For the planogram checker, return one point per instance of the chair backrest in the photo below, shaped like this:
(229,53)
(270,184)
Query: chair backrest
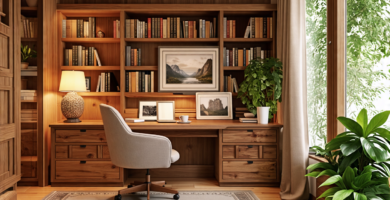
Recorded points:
(118,135)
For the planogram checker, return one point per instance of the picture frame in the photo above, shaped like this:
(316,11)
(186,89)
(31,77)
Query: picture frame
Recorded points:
(165,110)
(188,69)
(214,105)
(88,83)
(147,110)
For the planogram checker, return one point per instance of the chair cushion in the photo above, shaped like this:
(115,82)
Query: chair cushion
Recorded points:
(174,156)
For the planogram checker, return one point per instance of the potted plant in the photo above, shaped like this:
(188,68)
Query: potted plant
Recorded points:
(358,160)
(262,88)
(26,53)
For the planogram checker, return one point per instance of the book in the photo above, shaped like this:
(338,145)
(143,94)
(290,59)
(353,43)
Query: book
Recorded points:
(98,84)
(97,58)
(134,120)
(248,120)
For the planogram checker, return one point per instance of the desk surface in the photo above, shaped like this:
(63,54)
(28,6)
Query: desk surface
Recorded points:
(153,125)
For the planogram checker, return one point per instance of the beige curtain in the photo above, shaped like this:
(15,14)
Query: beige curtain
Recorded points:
(291,50)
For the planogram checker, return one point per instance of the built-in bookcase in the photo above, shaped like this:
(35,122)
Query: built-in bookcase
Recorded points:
(112,50)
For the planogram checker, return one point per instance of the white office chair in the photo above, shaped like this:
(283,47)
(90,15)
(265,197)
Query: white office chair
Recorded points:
(137,151)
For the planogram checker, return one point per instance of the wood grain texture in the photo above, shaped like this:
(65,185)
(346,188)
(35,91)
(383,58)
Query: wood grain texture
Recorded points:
(77,136)
(62,151)
(228,151)
(248,151)
(258,135)
(84,151)
(86,172)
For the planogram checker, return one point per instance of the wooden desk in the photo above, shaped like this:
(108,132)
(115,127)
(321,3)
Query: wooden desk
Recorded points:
(237,154)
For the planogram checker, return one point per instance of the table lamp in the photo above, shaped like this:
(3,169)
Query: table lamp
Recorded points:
(72,105)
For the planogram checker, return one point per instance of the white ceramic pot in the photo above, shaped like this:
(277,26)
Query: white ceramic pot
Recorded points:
(262,115)
(32,3)
(24,65)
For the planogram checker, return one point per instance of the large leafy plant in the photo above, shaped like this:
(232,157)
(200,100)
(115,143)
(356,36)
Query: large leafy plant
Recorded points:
(262,85)
(358,160)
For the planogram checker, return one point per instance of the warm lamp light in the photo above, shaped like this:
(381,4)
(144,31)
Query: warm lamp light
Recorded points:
(72,105)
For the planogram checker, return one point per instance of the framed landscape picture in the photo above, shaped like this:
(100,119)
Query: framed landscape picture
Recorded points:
(188,69)
(214,105)
(148,110)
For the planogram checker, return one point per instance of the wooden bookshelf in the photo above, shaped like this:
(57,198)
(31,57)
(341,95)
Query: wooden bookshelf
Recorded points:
(229,68)
(140,68)
(99,94)
(32,154)
(171,40)
(87,68)
(91,40)
(248,40)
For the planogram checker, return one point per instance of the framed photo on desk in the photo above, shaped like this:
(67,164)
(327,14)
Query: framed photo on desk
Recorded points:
(147,110)
(214,105)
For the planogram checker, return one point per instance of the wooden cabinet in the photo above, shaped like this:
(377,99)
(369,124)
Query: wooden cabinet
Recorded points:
(249,157)
(81,158)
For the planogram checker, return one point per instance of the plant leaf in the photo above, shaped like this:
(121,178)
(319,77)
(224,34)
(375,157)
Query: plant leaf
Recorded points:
(327,172)
(332,180)
(339,140)
(362,180)
(376,152)
(383,133)
(342,194)
(348,177)
(347,161)
(359,196)
(377,121)
(349,147)
(320,166)
(329,192)
(313,174)
(351,125)
(362,119)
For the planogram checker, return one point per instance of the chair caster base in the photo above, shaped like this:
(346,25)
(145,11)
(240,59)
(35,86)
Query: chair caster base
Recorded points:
(176,196)
(118,197)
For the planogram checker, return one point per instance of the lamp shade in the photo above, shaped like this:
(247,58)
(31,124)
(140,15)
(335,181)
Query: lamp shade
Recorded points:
(72,81)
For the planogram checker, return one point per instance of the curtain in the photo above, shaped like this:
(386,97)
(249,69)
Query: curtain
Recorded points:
(291,50)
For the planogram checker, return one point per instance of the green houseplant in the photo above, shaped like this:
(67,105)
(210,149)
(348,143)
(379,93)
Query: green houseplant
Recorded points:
(26,53)
(358,160)
(262,87)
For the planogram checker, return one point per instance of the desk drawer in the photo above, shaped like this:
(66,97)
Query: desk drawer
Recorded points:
(249,151)
(84,151)
(106,153)
(86,170)
(252,170)
(78,136)
(256,135)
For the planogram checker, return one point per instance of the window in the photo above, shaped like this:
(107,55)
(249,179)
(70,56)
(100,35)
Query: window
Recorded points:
(316,63)
(368,57)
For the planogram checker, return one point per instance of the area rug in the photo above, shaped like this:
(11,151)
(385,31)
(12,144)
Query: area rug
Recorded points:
(184,195)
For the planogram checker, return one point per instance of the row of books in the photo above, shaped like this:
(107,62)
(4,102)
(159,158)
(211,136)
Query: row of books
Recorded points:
(28,115)
(81,56)
(259,27)
(133,56)
(171,27)
(107,83)
(139,81)
(79,28)
(241,57)
(28,27)
(28,95)
(230,84)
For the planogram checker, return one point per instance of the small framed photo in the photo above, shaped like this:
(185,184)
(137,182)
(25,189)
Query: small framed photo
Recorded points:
(214,105)
(88,83)
(165,110)
(147,110)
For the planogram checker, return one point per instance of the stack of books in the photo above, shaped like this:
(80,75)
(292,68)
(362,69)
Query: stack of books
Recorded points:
(229,30)
(248,120)
(107,83)
(139,81)
(30,95)
(29,27)
(31,71)
(81,56)
(258,27)
(133,56)
(239,112)
(29,115)
(241,57)
(230,84)
(171,27)
(78,28)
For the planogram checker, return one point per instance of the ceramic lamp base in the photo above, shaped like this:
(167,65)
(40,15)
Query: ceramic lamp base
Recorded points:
(72,107)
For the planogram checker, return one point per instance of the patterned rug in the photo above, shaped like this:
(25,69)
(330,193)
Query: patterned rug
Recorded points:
(184,195)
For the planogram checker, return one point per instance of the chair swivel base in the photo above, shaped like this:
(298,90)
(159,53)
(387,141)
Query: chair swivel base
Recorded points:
(158,186)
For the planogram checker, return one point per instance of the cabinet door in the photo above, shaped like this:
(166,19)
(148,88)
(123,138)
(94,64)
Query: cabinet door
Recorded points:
(9,94)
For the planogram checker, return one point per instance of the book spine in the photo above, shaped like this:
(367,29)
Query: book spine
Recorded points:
(204,30)
(234,28)
(244,57)
(143,81)
(178,27)
(230,57)
(171,27)
(63,28)
(236,57)
(264,27)
(81,28)
(149,28)
(227,57)
(127,28)
(114,27)
(253,27)
(168,27)
(66,60)
(139,56)
(224,27)
(175,27)
(186,29)
(161,28)
(214,27)
(268,29)
(228,29)
(145,30)
(152,81)
(127,82)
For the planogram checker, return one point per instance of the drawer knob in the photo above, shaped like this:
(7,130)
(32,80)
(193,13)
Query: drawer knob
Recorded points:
(83,162)
(250,162)
(249,130)
(83,130)
(250,146)
(83,146)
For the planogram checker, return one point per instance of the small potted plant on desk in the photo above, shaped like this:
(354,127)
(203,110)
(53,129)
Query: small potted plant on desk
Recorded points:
(358,165)
(262,88)
(26,53)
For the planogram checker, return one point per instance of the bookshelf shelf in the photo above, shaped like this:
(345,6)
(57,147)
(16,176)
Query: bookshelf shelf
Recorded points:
(29,122)
(248,40)
(29,39)
(141,68)
(231,68)
(28,101)
(156,95)
(91,40)
(171,39)
(29,8)
(85,68)
(99,94)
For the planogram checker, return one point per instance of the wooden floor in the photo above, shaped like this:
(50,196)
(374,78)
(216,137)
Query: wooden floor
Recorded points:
(263,193)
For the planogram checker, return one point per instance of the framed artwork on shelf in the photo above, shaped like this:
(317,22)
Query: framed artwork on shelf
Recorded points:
(214,105)
(188,69)
(166,111)
(88,83)
(147,110)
